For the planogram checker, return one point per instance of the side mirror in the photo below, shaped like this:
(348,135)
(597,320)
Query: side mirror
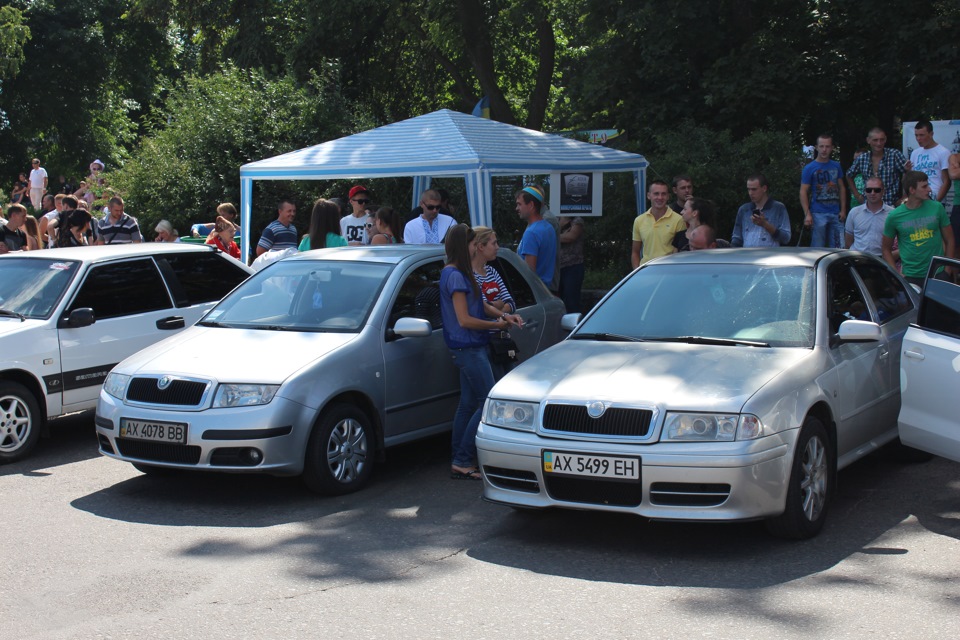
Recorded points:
(413,328)
(570,321)
(859,331)
(82,317)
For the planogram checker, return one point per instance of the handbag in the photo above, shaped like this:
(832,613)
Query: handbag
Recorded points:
(503,348)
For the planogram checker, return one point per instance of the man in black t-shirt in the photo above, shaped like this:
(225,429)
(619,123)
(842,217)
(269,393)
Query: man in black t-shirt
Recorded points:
(11,234)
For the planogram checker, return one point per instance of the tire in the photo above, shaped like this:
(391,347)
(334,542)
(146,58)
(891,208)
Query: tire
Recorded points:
(20,421)
(340,452)
(812,477)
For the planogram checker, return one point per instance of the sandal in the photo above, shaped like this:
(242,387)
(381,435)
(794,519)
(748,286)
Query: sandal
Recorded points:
(472,474)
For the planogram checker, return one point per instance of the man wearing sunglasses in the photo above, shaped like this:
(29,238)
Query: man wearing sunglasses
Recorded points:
(431,226)
(863,230)
(356,227)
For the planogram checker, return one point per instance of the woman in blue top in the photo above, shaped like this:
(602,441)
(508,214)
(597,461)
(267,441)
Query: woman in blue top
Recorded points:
(467,322)
(324,227)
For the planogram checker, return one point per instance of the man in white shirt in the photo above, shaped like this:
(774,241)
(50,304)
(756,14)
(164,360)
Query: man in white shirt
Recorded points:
(431,226)
(38,183)
(355,228)
(931,158)
(863,230)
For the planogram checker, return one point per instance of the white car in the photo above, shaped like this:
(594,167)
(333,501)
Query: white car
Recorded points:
(67,316)
(930,369)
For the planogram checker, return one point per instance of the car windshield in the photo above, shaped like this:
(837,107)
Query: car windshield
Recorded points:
(303,295)
(32,287)
(735,304)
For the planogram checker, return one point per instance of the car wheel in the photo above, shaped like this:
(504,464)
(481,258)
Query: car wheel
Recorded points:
(340,452)
(811,485)
(19,421)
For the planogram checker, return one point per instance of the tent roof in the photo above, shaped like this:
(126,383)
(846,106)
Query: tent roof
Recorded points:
(442,143)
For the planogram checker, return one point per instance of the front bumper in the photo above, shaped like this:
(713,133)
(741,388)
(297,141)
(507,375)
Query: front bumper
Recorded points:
(678,481)
(217,439)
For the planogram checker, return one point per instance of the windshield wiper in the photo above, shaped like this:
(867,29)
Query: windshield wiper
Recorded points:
(212,323)
(719,341)
(12,314)
(606,337)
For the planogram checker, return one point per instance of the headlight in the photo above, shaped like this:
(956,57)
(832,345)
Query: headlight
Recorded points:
(115,384)
(244,395)
(509,415)
(699,427)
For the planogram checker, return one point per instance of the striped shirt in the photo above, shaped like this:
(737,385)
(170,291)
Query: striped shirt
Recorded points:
(278,236)
(123,231)
(493,287)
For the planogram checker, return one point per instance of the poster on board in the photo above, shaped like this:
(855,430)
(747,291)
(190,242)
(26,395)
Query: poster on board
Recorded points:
(945,133)
(576,193)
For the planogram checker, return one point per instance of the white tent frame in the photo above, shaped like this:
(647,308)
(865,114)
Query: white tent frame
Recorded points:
(441,144)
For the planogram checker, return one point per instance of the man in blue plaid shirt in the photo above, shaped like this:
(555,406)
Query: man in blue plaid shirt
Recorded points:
(881,162)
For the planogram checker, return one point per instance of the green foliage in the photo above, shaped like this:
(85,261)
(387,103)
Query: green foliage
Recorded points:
(13,36)
(209,126)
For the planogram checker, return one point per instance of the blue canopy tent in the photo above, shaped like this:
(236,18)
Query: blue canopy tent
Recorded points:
(441,144)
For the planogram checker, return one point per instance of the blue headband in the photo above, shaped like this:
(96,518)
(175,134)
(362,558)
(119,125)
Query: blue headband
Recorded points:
(535,192)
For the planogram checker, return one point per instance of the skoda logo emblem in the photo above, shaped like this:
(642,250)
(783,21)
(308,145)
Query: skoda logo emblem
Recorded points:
(164,382)
(595,409)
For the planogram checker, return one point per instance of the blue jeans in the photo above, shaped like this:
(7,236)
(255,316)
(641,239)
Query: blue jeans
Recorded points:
(827,230)
(571,281)
(476,380)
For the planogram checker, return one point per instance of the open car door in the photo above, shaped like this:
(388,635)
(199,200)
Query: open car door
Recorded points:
(930,367)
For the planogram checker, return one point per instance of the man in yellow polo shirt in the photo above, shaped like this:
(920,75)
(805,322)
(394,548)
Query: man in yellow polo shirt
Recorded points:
(654,229)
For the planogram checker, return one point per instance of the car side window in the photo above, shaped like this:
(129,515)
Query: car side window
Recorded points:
(122,289)
(889,296)
(419,296)
(940,306)
(517,285)
(844,300)
(202,276)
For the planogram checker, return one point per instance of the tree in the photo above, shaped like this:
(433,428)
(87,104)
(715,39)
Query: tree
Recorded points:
(212,124)
(13,36)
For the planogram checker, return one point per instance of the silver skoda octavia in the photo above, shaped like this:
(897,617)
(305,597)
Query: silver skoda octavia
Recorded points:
(313,366)
(713,385)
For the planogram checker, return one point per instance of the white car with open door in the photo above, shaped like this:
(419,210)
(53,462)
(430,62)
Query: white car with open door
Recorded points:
(930,367)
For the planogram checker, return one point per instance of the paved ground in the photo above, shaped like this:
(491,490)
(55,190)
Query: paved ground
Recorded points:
(93,549)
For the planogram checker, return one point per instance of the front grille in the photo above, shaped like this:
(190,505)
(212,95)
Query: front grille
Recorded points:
(688,494)
(159,451)
(615,421)
(514,479)
(591,491)
(184,393)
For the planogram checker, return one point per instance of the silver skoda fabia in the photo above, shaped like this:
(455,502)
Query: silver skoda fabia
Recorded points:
(314,366)
(712,385)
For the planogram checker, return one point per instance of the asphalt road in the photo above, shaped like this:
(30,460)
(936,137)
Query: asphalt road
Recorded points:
(93,549)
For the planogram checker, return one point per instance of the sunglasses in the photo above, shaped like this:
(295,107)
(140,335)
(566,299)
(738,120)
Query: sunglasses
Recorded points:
(431,207)
(369,225)
(361,200)
(873,190)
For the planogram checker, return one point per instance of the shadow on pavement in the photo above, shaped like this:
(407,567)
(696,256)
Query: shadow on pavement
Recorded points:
(874,496)
(72,439)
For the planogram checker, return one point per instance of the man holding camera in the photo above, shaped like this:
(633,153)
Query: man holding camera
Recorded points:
(762,222)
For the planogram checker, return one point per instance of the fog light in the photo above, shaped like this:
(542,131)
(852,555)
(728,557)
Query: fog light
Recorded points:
(253,456)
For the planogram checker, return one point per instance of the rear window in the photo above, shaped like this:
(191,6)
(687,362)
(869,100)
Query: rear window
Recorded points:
(200,277)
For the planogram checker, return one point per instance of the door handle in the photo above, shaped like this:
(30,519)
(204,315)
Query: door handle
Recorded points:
(532,324)
(916,355)
(884,354)
(173,322)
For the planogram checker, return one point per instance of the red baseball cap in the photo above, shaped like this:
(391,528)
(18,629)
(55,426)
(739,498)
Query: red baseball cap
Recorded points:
(357,189)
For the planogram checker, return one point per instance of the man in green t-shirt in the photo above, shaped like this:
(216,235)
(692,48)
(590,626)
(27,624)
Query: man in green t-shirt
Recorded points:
(920,226)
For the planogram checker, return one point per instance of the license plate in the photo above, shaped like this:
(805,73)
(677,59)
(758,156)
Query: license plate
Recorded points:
(575,464)
(153,431)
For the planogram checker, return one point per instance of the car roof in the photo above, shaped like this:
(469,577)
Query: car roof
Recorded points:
(768,256)
(97,253)
(387,253)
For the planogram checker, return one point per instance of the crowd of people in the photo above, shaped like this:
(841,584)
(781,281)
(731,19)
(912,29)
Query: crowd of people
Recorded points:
(894,208)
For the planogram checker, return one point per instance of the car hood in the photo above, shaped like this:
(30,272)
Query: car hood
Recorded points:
(669,375)
(12,326)
(234,355)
